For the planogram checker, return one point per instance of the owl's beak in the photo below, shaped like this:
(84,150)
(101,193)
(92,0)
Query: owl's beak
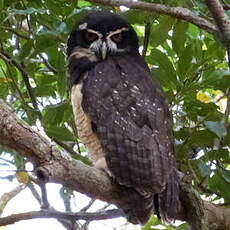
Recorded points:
(104,50)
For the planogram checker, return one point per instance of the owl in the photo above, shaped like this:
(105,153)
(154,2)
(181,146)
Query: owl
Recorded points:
(122,116)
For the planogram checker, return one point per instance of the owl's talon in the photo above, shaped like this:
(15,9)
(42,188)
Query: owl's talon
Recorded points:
(101,164)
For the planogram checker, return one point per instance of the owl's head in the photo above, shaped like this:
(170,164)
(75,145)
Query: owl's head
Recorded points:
(104,33)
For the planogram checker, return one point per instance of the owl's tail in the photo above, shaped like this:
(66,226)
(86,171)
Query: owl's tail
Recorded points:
(139,207)
(168,201)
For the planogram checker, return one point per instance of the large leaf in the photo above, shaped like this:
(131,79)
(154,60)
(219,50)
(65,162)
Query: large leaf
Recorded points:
(185,61)
(161,30)
(216,127)
(60,133)
(179,36)
(220,183)
(166,68)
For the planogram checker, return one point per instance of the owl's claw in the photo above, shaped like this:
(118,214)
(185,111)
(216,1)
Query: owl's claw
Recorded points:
(101,164)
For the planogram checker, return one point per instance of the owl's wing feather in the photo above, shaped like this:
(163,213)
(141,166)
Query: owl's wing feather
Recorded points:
(134,125)
(133,122)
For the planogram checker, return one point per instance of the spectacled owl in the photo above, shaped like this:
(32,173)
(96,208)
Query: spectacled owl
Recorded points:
(121,114)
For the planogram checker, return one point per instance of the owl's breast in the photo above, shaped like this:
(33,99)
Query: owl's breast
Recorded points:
(84,124)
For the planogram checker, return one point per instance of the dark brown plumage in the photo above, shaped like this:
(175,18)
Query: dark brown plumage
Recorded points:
(128,120)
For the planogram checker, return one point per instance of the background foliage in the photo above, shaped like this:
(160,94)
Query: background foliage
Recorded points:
(189,63)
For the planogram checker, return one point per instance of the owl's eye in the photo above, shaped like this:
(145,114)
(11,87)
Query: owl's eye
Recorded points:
(90,37)
(117,37)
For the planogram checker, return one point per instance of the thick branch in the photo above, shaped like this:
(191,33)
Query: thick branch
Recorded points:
(177,12)
(60,168)
(220,18)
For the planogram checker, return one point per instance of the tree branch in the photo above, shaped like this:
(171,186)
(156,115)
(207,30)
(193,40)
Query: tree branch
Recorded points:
(58,167)
(101,215)
(221,19)
(177,12)
(6,197)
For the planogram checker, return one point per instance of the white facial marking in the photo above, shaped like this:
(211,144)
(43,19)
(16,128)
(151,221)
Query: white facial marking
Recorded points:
(82,26)
(95,32)
(103,50)
(96,45)
(117,31)
(112,46)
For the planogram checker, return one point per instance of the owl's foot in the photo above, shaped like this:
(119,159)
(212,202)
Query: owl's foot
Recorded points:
(101,164)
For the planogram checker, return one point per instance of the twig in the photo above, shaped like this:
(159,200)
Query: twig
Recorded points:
(16,33)
(227,111)
(25,77)
(34,192)
(177,12)
(11,77)
(72,152)
(102,215)
(47,64)
(6,197)
(7,161)
(88,205)
(146,38)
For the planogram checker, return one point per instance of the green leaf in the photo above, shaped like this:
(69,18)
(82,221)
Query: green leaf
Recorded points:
(216,127)
(220,183)
(83,3)
(46,79)
(195,108)
(1,5)
(62,28)
(220,154)
(138,16)
(217,79)
(201,138)
(185,61)
(160,32)
(60,133)
(165,65)
(183,227)
(25,50)
(226,175)
(193,31)
(152,222)
(226,140)
(44,91)
(62,84)
(54,115)
(56,58)
(3,89)
(201,168)
(179,36)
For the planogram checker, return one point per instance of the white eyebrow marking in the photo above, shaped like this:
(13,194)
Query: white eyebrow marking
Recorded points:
(117,31)
(95,32)
(82,26)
